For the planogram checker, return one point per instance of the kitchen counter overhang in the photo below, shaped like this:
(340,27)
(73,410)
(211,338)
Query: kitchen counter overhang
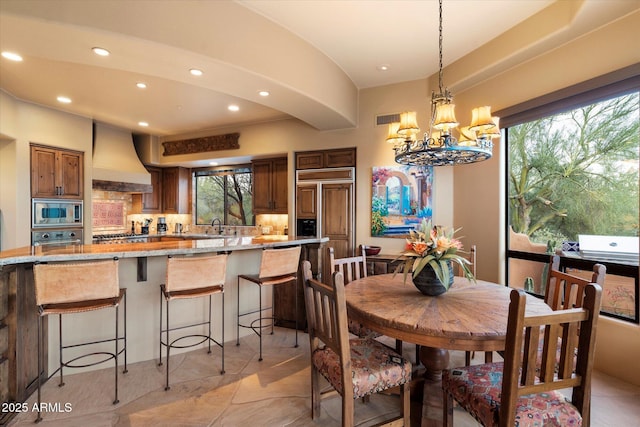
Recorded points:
(31,254)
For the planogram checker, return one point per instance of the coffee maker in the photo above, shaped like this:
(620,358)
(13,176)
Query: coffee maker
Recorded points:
(162,225)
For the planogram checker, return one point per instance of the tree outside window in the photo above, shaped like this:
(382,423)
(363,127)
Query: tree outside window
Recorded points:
(225,195)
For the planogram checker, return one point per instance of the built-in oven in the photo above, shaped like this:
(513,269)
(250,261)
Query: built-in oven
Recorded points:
(56,213)
(306,228)
(62,237)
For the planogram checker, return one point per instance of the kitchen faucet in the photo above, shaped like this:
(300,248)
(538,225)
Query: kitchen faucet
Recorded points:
(213,224)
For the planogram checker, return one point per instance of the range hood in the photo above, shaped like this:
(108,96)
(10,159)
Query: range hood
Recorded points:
(116,166)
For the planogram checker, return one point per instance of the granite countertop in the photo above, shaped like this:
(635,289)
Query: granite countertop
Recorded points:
(30,254)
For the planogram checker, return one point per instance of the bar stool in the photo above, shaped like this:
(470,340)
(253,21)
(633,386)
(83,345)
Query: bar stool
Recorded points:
(192,277)
(277,266)
(76,288)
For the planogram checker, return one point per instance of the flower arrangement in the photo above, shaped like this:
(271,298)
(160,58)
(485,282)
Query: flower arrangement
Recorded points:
(434,246)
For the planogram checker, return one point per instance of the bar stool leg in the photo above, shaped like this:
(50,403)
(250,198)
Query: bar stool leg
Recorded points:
(222,339)
(295,296)
(238,313)
(160,342)
(260,320)
(116,400)
(124,301)
(209,336)
(60,350)
(168,347)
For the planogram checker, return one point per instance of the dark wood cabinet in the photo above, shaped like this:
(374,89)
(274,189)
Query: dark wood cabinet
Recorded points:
(171,192)
(337,218)
(270,186)
(337,158)
(150,202)
(306,201)
(56,173)
(19,335)
(176,183)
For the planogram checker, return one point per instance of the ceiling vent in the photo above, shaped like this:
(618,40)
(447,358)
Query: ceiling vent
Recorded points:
(387,118)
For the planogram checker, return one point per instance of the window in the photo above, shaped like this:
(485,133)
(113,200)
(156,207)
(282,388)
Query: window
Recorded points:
(224,194)
(573,170)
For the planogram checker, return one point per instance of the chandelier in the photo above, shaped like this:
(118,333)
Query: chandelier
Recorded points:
(439,147)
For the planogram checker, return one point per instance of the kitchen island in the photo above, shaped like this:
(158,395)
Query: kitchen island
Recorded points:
(142,270)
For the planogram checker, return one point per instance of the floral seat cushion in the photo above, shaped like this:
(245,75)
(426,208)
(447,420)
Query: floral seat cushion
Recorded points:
(478,388)
(374,367)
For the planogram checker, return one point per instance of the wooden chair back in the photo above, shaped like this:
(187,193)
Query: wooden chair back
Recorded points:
(472,259)
(327,321)
(352,268)
(567,291)
(520,375)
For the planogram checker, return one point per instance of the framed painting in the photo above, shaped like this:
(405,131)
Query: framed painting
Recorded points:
(401,199)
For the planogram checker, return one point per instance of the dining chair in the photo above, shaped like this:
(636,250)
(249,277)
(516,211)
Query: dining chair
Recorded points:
(516,392)
(352,268)
(70,289)
(354,367)
(564,290)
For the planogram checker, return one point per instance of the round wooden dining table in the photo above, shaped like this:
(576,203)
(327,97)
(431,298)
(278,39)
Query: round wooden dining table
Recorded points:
(469,316)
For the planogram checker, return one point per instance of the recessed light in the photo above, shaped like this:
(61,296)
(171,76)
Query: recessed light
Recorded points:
(141,85)
(100,51)
(12,56)
(263,93)
(383,67)
(143,124)
(195,72)
(233,108)
(213,163)
(64,99)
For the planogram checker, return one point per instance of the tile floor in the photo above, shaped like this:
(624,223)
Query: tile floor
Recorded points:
(274,392)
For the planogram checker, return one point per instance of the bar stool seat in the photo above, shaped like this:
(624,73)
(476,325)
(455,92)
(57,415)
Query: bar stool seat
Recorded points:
(277,266)
(192,277)
(66,288)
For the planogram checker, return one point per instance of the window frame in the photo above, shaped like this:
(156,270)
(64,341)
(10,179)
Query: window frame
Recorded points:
(617,83)
(221,170)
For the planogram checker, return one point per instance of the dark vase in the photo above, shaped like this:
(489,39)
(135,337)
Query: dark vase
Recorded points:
(428,283)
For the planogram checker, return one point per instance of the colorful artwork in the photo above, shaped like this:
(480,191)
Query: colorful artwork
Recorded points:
(401,199)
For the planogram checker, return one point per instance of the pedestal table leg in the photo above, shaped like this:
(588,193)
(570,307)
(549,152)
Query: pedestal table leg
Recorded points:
(434,360)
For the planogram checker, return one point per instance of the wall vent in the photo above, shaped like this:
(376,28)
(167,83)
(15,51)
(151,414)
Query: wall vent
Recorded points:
(387,118)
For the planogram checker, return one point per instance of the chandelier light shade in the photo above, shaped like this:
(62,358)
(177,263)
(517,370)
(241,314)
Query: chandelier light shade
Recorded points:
(408,124)
(440,147)
(394,137)
(445,118)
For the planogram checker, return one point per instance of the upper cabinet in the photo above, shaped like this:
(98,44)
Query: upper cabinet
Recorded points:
(338,158)
(171,192)
(176,183)
(150,202)
(270,186)
(56,173)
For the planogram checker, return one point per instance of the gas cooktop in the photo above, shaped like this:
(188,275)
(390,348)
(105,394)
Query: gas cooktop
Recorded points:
(120,238)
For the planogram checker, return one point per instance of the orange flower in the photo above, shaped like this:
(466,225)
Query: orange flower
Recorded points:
(419,247)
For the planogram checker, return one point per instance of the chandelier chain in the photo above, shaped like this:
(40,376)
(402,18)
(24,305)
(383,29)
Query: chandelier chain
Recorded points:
(440,48)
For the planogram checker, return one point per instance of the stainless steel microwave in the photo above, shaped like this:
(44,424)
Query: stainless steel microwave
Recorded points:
(56,213)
